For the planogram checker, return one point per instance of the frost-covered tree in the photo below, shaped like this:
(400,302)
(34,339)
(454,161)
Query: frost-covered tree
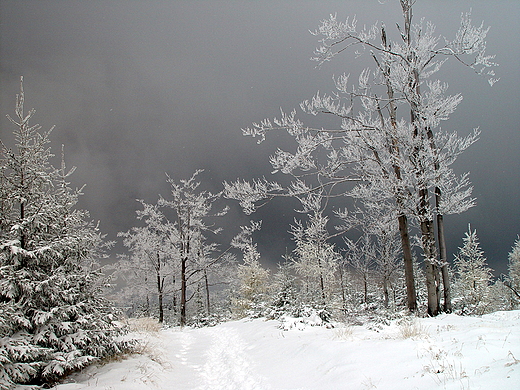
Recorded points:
(380,241)
(215,269)
(252,278)
(191,211)
(513,277)
(361,257)
(388,136)
(315,259)
(388,265)
(473,276)
(53,318)
(149,267)
(172,247)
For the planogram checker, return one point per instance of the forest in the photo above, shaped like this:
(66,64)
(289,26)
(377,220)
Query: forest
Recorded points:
(373,188)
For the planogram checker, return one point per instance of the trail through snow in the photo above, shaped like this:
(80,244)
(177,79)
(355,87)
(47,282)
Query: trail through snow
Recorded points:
(228,366)
(446,352)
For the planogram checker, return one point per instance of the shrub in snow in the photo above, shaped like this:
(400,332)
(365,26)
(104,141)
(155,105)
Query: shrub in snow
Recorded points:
(144,324)
(250,300)
(310,317)
(499,297)
(53,319)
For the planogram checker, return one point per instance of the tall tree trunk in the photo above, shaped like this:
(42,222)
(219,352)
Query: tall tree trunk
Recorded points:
(174,298)
(206,282)
(448,308)
(431,287)
(385,292)
(185,252)
(161,308)
(411,294)
(322,282)
(365,288)
(160,285)
(322,287)
(430,254)
(183,292)
(343,287)
(426,224)
(443,258)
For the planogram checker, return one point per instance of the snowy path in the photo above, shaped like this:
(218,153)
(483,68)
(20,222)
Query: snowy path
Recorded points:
(215,359)
(202,359)
(447,352)
(228,365)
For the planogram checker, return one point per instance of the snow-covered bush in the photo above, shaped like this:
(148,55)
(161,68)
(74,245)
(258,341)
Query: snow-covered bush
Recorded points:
(410,327)
(308,317)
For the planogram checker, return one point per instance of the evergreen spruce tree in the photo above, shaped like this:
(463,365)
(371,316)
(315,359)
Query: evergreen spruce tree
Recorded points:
(53,319)
(513,278)
(284,292)
(473,276)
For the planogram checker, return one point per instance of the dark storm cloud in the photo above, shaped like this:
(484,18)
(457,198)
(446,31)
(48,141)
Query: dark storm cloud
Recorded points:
(139,88)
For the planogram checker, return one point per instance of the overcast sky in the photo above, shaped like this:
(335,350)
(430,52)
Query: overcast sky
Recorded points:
(140,88)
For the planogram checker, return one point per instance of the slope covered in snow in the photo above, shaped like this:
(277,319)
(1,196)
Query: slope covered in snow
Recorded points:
(446,352)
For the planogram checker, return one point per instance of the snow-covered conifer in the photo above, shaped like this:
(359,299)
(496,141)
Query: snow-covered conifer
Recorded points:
(473,276)
(284,291)
(513,277)
(53,318)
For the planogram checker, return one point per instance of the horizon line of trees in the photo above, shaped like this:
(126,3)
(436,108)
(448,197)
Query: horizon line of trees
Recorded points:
(363,280)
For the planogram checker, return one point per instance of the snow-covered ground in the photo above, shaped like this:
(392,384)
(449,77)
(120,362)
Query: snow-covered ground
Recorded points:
(446,352)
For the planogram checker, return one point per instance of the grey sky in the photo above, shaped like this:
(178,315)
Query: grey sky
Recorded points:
(140,88)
